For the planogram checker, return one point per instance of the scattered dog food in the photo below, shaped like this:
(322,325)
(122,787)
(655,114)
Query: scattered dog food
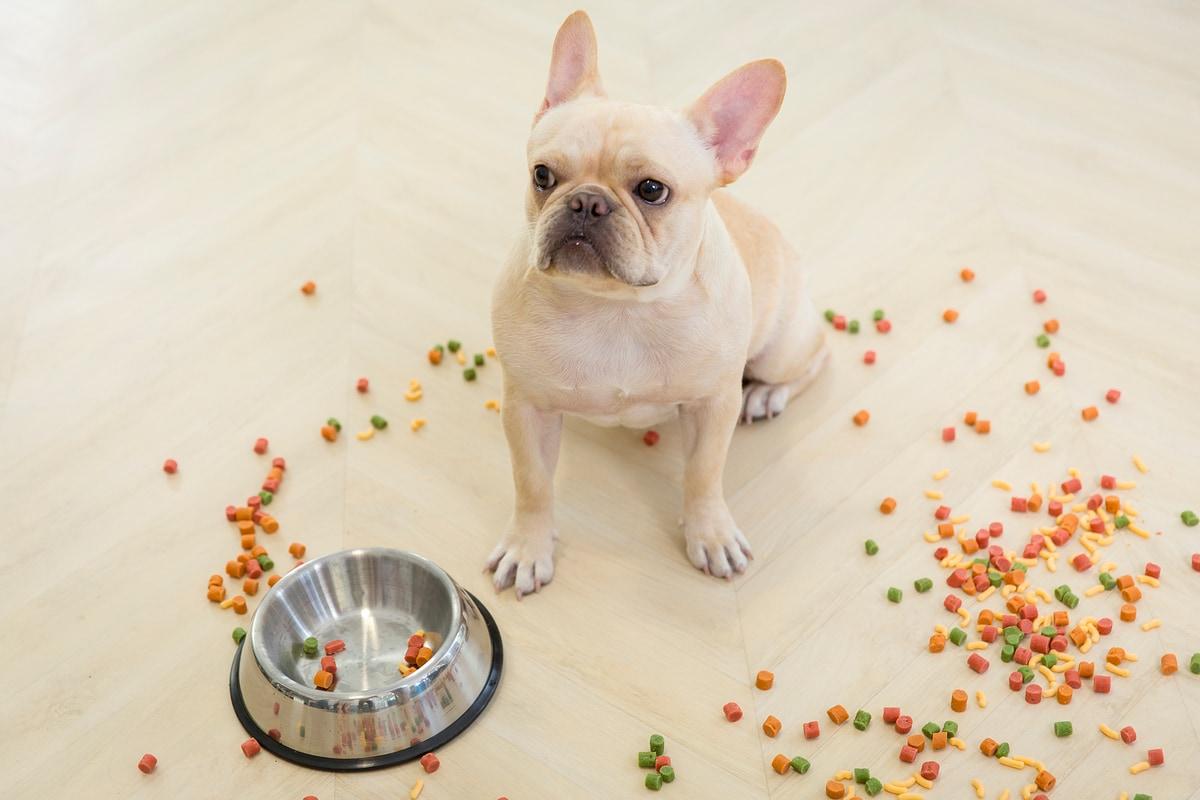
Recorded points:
(362,385)
(251,748)
(650,438)
(170,466)
(147,763)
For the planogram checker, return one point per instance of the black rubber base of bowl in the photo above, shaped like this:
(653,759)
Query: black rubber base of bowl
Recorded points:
(375,762)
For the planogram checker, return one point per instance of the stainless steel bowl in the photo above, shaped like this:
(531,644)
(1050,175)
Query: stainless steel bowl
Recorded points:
(373,600)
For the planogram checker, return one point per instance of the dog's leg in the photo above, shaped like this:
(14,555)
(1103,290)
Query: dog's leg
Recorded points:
(524,556)
(714,543)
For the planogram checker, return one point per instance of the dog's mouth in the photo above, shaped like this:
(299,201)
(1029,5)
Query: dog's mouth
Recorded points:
(578,252)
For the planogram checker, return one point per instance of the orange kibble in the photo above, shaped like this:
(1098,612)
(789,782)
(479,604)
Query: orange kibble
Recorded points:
(966,274)
(988,747)
(328,433)
(1112,504)
(269,523)
(1128,612)
(917,742)
(423,655)
(1169,664)
(1051,326)
(958,701)
(250,586)
(435,356)
(987,617)
(296,550)
(1124,582)
(1032,387)
(945,529)
(1064,694)
(838,714)
(1086,669)
(1131,595)
(1060,619)
(970,417)
(323,679)
(258,550)
(1034,502)
(834,790)
(308,287)
(861,417)
(1045,781)
(1070,522)
(983,426)
(937,643)
(781,764)
(764,679)
(242,558)
(1115,656)
(216,593)
(939,740)
(239,604)
(771,726)
(248,541)
(276,474)
(216,580)
(949,315)
(274,579)
(245,526)
(1090,413)
(888,505)
(243,514)
(1050,359)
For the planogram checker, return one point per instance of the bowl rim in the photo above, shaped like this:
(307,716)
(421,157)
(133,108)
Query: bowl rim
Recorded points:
(313,696)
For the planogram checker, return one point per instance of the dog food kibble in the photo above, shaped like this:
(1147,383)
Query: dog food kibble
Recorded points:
(923,585)
(1090,413)
(1155,757)
(948,434)
(1189,518)
(147,763)
(329,433)
(1039,296)
(732,711)
(335,646)
(883,325)
(834,790)
(323,679)
(871,547)
(764,679)
(170,466)
(862,720)
(658,744)
(1032,387)
(239,605)
(780,764)
(888,505)
(260,446)
(251,748)
(838,714)
(469,374)
(362,385)
(958,701)
(308,287)
(894,595)
(646,759)
(861,417)
(650,438)
(654,781)
(435,355)
(771,726)
(430,763)
(310,646)
(378,422)
(966,274)
(869,357)
(667,772)
(949,315)
(1062,729)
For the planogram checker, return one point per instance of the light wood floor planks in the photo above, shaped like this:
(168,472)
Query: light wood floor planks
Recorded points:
(171,172)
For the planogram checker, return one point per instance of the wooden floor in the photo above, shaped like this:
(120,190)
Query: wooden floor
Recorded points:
(171,172)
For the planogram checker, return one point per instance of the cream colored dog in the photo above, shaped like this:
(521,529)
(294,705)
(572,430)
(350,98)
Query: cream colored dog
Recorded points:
(640,290)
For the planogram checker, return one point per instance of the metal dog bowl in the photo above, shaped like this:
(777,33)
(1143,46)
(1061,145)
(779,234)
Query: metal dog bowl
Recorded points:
(373,600)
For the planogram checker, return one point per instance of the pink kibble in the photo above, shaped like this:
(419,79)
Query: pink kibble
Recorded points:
(251,748)
(1033,694)
(1054,508)
(1023,655)
(231,513)
(952,603)
(1101,684)
(869,357)
(1155,757)
(1113,395)
(1196,561)
(1096,525)
(1104,625)
(1014,681)
(1072,678)
(1081,562)
(903,724)
(1019,504)
(890,714)
(732,711)
(260,446)
(1039,296)
(839,322)
(948,434)
(1153,570)
(908,754)
(942,512)
(1108,482)
(1128,734)
(812,729)
(883,326)
(989,633)
(1071,486)
(995,529)
(978,663)
(929,770)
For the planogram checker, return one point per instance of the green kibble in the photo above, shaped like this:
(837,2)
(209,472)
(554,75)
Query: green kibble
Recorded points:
(853,326)
(333,423)
(800,764)
(238,635)
(479,363)
(1022,567)
(995,578)
(923,585)
(1007,652)
(1061,590)
(667,772)
(266,497)
(1121,521)
(1141,796)
(877,314)
(646,759)
(267,564)
(830,314)
(1002,750)
(1049,630)
(469,374)
(1195,665)
(1107,581)
(378,422)
(862,720)
(873,786)
(657,744)
(310,646)
(1013,635)
(454,345)
(1071,600)
(1062,729)
(1050,659)
(1027,673)
(950,727)
(654,781)
(861,774)
(1189,518)
(929,729)
(958,636)
(1043,340)
(871,547)
(894,594)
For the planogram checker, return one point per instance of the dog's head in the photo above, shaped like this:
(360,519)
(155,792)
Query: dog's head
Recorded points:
(617,191)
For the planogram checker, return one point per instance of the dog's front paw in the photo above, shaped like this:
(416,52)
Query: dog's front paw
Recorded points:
(524,558)
(714,543)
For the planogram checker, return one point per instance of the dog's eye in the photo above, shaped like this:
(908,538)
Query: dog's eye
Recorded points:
(653,192)
(543,178)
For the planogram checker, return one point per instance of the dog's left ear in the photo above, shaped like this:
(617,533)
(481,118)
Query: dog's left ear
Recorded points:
(573,64)
(732,115)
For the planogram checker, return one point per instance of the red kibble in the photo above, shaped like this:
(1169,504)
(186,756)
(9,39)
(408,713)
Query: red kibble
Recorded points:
(257,516)
(1072,486)
(251,748)
(995,529)
(335,646)
(1155,757)
(989,633)
(275,734)
(908,754)
(1113,395)
(1054,508)
(1028,611)
(1101,684)
(1108,482)
(430,763)
(732,711)
(869,357)
(1039,643)
(1153,570)
(1039,296)
(1081,562)
(650,438)
(890,714)
(1059,368)
(170,466)
(1128,734)
(1023,655)
(952,603)
(978,663)
(329,664)
(1019,504)
(812,729)
(254,501)
(231,513)
(942,512)
(1104,626)
(1015,682)
(147,763)
(260,446)
(955,580)
(1072,678)
(948,434)
(660,762)
(362,385)
(929,770)
(1058,643)
(270,485)
(839,322)
(940,553)
(1033,693)
(254,570)
(279,462)
(1096,525)
(883,326)
(1196,561)
(903,724)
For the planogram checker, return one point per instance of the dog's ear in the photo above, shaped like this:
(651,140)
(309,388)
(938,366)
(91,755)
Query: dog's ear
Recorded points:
(733,114)
(573,65)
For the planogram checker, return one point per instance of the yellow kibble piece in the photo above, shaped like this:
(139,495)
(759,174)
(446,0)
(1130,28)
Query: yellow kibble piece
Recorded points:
(417,424)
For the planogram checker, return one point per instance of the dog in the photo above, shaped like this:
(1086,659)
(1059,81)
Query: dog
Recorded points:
(640,290)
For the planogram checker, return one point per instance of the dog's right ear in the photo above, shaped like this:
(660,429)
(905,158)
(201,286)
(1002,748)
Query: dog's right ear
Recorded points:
(573,68)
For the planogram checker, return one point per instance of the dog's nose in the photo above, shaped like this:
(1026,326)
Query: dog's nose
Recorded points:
(589,204)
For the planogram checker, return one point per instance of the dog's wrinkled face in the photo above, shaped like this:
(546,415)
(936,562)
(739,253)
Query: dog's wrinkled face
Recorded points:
(616,191)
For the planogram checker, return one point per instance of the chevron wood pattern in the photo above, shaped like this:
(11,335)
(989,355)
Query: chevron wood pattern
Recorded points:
(171,172)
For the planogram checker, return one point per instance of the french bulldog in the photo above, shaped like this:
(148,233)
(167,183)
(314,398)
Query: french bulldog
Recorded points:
(640,289)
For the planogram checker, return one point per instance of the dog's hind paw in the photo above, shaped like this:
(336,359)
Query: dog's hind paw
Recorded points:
(764,400)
